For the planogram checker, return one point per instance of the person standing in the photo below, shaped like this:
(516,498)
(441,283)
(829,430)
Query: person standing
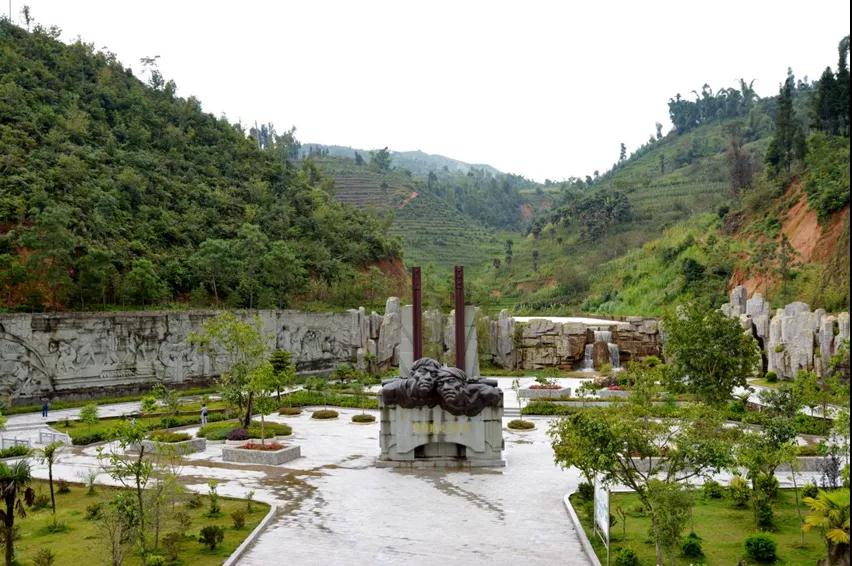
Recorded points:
(45,405)
(203,414)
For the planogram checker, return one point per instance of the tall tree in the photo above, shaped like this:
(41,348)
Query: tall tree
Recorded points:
(788,144)
(16,490)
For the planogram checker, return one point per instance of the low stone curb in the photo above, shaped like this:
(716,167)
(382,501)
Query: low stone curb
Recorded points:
(581,533)
(263,457)
(258,530)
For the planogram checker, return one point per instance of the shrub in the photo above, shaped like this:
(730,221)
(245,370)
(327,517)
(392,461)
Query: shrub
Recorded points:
(691,546)
(168,436)
(155,560)
(324,414)
(238,434)
(63,487)
(290,411)
(148,404)
(183,519)
(626,557)
(712,490)
(739,490)
(761,547)
(84,439)
(215,509)
(810,490)
(219,431)
(771,377)
(306,398)
(363,418)
(41,501)
(172,543)
(586,491)
(44,557)
(94,512)
(239,518)
(211,536)
(14,451)
(767,484)
(764,515)
(521,424)
(195,501)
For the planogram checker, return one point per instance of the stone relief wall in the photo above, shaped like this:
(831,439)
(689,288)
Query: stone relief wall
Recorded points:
(542,343)
(794,338)
(85,354)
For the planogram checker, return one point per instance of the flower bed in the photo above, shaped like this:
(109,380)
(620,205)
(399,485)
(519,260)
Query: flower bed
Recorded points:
(545,386)
(269,454)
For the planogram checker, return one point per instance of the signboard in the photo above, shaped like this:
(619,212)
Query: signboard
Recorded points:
(602,509)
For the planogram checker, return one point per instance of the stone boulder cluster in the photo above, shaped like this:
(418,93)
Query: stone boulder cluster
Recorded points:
(792,339)
(543,343)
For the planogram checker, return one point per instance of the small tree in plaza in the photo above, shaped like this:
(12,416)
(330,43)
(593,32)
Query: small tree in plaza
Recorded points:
(628,443)
(89,415)
(707,353)
(133,472)
(285,370)
(243,347)
(48,455)
(263,384)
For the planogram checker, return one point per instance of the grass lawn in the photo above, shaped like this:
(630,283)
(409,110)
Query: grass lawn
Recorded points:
(58,405)
(722,527)
(84,543)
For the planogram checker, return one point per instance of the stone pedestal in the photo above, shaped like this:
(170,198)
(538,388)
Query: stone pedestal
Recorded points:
(434,438)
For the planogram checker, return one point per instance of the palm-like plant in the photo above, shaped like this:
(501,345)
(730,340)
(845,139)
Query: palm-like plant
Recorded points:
(49,455)
(829,512)
(16,492)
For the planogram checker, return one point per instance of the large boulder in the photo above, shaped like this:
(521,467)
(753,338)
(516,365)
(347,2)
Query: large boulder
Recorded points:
(738,300)
(389,335)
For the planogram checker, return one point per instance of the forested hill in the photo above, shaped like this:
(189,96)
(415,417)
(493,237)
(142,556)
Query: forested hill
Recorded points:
(741,190)
(117,192)
(418,162)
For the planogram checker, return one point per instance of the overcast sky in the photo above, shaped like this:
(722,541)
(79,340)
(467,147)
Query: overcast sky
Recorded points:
(543,89)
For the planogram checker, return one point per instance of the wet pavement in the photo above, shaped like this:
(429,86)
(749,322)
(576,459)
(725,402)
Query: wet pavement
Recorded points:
(335,506)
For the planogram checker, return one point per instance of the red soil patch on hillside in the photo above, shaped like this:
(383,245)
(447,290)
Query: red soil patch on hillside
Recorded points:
(527,211)
(408,199)
(813,243)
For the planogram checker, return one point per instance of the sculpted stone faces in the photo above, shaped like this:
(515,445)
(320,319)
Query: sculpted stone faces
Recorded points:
(431,384)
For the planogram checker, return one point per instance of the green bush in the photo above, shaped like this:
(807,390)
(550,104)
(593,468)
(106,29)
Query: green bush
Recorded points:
(771,377)
(211,536)
(84,439)
(239,518)
(155,560)
(363,418)
(586,491)
(764,515)
(712,490)
(324,414)
(14,451)
(761,547)
(304,398)
(94,512)
(520,424)
(546,408)
(41,501)
(63,486)
(767,484)
(691,546)
(810,490)
(195,501)
(290,411)
(44,557)
(626,557)
(739,491)
(172,544)
(168,436)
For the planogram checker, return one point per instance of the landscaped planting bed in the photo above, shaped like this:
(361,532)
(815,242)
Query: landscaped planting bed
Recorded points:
(82,540)
(519,424)
(722,527)
(179,442)
(268,453)
(220,431)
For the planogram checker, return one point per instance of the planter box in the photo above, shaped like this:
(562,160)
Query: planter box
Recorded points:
(545,393)
(182,447)
(279,439)
(265,457)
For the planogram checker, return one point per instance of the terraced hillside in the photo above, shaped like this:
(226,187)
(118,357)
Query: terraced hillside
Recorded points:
(434,233)
(368,190)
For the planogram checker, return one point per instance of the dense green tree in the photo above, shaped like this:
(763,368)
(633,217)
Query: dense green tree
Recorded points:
(707,353)
(142,285)
(283,272)
(17,493)
(381,159)
(788,144)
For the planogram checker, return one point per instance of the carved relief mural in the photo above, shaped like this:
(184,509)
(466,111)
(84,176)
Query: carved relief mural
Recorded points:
(51,355)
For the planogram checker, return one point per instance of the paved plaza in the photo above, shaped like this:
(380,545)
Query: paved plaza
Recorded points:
(335,506)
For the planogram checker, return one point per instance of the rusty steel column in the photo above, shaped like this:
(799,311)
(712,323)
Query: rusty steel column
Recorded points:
(417,313)
(458,274)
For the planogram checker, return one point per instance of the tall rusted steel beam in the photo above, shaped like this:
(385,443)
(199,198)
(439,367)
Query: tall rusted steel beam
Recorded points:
(417,312)
(458,274)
